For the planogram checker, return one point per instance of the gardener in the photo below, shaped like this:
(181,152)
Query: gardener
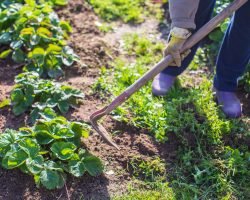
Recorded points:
(187,17)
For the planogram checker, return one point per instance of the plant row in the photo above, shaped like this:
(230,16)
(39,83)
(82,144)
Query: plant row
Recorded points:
(32,34)
(48,150)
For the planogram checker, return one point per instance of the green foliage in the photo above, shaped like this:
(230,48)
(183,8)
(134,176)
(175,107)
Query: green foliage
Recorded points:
(204,167)
(126,10)
(49,150)
(174,113)
(148,170)
(33,34)
(4,103)
(148,191)
(245,81)
(44,97)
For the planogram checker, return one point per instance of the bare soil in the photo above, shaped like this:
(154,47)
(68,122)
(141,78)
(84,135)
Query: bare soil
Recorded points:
(89,44)
(95,51)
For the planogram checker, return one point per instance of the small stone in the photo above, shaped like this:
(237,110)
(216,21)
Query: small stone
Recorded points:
(110,172)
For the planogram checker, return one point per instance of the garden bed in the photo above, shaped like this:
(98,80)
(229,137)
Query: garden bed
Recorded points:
(97,50)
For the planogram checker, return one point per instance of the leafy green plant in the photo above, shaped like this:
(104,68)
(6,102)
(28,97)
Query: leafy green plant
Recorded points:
(33,34)
(44,97)
(148,170)
(48,151)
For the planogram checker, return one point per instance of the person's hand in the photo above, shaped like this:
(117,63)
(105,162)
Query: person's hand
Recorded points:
(178,37)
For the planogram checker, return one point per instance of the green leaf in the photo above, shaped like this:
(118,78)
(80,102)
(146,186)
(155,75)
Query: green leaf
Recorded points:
(44,137)
(18,56)
(44,32)
(14,157)
(63,150)
(6,139)
(30,2)
(30,146)
(5,54)
(16,44)
(38,55)
(35,165)
(19,109)
(69,91)
(69,56)
(17,96)
(80,129)
(51,165)
(65,26)
(93,165)
(76,168)
(34,39)
(54,49)
(51,179)
(216,36)
(63,132)
(4,103)
(5,38)
(61,2)
(55,72)
(27,31)
(63,106)
(34,115)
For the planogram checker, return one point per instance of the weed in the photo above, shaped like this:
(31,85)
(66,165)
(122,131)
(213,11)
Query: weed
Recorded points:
(151,170)
(205,168)
(139,190)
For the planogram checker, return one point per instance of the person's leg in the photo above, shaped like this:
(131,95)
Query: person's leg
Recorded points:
(235,51)
(203,15)
(233,58)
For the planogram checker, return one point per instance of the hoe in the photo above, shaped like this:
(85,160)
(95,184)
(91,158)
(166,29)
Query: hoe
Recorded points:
(197,37)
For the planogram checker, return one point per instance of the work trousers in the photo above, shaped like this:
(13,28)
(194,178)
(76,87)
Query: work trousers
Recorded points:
(234,54)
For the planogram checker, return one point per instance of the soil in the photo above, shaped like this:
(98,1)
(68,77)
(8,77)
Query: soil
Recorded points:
(95,51)
(92,48)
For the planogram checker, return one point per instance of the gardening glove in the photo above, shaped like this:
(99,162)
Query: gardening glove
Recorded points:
(178,37)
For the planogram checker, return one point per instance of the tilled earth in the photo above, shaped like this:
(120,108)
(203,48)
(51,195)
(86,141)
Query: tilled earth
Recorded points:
(89,45)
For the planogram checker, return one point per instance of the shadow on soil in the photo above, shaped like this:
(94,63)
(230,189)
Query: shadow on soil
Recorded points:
(16,185)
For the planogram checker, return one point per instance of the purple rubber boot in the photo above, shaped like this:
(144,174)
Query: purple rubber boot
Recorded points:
(230,103)
(162,84)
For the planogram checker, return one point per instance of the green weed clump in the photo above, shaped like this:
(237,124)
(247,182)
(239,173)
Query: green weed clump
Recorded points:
(148,191)
(148,169)
(48,151)
(126,10)
(205,167)
(174,113)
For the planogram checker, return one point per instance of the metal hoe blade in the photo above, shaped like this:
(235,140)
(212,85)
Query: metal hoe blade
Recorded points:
(99,128)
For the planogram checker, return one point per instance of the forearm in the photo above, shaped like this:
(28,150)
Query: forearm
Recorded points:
(183,13)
